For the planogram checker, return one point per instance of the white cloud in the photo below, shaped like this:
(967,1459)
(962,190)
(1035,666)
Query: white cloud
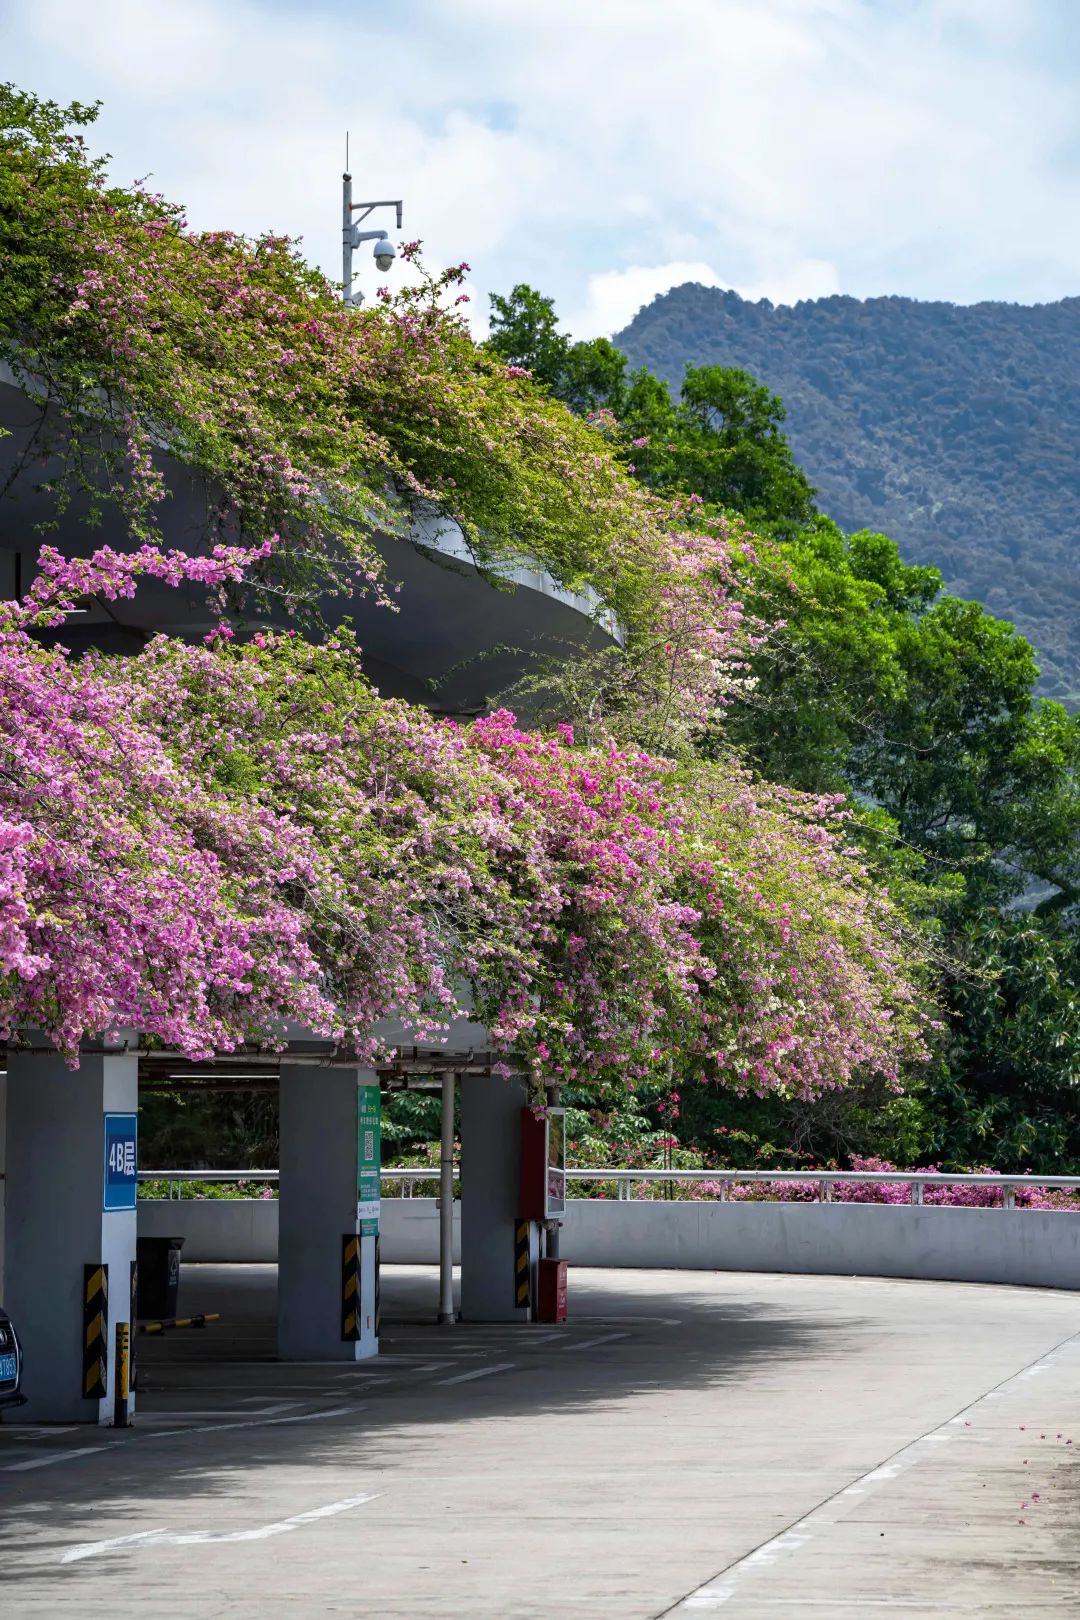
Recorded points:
(603,149)
(614,297)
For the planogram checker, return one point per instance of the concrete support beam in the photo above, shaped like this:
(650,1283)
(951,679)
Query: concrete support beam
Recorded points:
(446,1204)
(70,1169)
(329,1144)
(490,1176)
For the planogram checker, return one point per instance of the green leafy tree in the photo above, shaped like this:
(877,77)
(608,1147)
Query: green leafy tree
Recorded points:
(732,452)
(1009,1093)
(525,332)
(722,440)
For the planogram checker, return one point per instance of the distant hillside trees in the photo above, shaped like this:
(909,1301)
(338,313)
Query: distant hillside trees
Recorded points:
(955,429)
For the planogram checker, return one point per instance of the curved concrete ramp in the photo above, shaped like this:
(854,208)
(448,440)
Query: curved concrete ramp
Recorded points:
(760,1446)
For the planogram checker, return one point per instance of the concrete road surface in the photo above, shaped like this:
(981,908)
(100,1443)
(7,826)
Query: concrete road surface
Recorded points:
(760,1447)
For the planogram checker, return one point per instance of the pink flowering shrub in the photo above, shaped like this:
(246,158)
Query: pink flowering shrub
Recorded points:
(950,1195)
(126,896)
(206,842)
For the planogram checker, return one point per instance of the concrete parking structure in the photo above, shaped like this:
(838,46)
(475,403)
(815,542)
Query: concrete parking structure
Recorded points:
(757,1445)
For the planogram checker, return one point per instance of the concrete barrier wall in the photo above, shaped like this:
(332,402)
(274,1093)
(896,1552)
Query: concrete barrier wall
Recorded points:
(1034,1247)
(245,1230)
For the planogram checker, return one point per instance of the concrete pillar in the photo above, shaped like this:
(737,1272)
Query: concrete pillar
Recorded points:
(446,1204)
(490,1173)
(328,1214)
(71,1164)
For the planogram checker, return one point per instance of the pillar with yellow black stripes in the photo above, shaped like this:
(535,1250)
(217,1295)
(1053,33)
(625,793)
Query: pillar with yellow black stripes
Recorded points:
(328,1212)
(69,1243)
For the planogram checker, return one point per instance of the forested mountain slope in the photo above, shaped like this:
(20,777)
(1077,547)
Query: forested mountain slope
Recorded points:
(955,429)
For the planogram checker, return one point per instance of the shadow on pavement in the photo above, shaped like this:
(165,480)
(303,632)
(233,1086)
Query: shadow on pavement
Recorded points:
(630,1343)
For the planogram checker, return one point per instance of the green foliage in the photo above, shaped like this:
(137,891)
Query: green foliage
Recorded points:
(869,681)
(952,428)
(721,440)
(1011,1091)
(525,332)
(725,444)
(208,1130)
(410,1120)
(919,704)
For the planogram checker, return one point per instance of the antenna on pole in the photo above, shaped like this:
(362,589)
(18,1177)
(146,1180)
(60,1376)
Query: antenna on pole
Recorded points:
(346,230)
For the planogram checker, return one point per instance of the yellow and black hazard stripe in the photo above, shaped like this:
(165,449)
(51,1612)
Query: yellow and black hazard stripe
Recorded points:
(378,1285)
(133,1308)
(95,1332)
(121,1387)
(164,1324)
(521,1263)
(350,1286)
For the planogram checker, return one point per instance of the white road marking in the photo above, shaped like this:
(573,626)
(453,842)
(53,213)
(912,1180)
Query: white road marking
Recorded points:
(174,1433)
(478,1372)
(198,1538)
(148,1420)
(716,1592)
(602,1321)
(56,1457)
(89,1549)
(262,1423)
(46,1430)
(590,1344)
(393,1359)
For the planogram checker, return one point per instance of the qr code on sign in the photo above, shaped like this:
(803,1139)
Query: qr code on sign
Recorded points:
(369,1144)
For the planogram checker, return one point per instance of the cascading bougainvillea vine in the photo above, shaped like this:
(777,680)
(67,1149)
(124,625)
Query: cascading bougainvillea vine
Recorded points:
(206,843)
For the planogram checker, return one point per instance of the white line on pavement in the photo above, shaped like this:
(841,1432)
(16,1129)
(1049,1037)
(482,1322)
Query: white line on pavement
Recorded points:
(602,1321)
(590,1344)
(478,1372)
(178,1432)
(716,1592)
(192,1538)
(57,1456)
(260,1423)
(45,1431)
(182,1414)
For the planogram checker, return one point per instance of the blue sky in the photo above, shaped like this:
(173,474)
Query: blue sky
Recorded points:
(607,149)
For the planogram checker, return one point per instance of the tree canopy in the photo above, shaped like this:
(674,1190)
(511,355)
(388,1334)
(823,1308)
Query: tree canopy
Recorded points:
(721,439)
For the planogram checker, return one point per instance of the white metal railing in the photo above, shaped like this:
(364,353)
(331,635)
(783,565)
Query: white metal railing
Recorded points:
(918,1181)
(626,1180)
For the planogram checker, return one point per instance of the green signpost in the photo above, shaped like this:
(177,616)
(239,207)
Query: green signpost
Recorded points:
(369,1155)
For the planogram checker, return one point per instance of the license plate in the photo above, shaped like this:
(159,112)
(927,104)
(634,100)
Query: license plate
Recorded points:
(8,1369)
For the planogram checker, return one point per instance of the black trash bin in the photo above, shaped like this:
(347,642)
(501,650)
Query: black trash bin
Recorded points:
(158,1260)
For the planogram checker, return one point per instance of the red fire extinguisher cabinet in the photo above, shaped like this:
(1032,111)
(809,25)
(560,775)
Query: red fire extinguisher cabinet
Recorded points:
(551,1291)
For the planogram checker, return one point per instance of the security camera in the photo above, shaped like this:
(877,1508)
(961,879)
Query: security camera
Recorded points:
(385,253)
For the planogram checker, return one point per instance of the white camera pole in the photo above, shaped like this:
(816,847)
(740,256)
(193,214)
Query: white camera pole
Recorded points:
(352,236)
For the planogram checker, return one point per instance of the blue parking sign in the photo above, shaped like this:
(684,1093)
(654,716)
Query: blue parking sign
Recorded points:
(121,1161)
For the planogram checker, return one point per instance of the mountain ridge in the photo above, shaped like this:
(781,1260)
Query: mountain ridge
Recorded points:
(955,428)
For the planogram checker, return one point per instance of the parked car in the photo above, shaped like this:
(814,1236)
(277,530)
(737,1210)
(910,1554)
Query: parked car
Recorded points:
(10,1363)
